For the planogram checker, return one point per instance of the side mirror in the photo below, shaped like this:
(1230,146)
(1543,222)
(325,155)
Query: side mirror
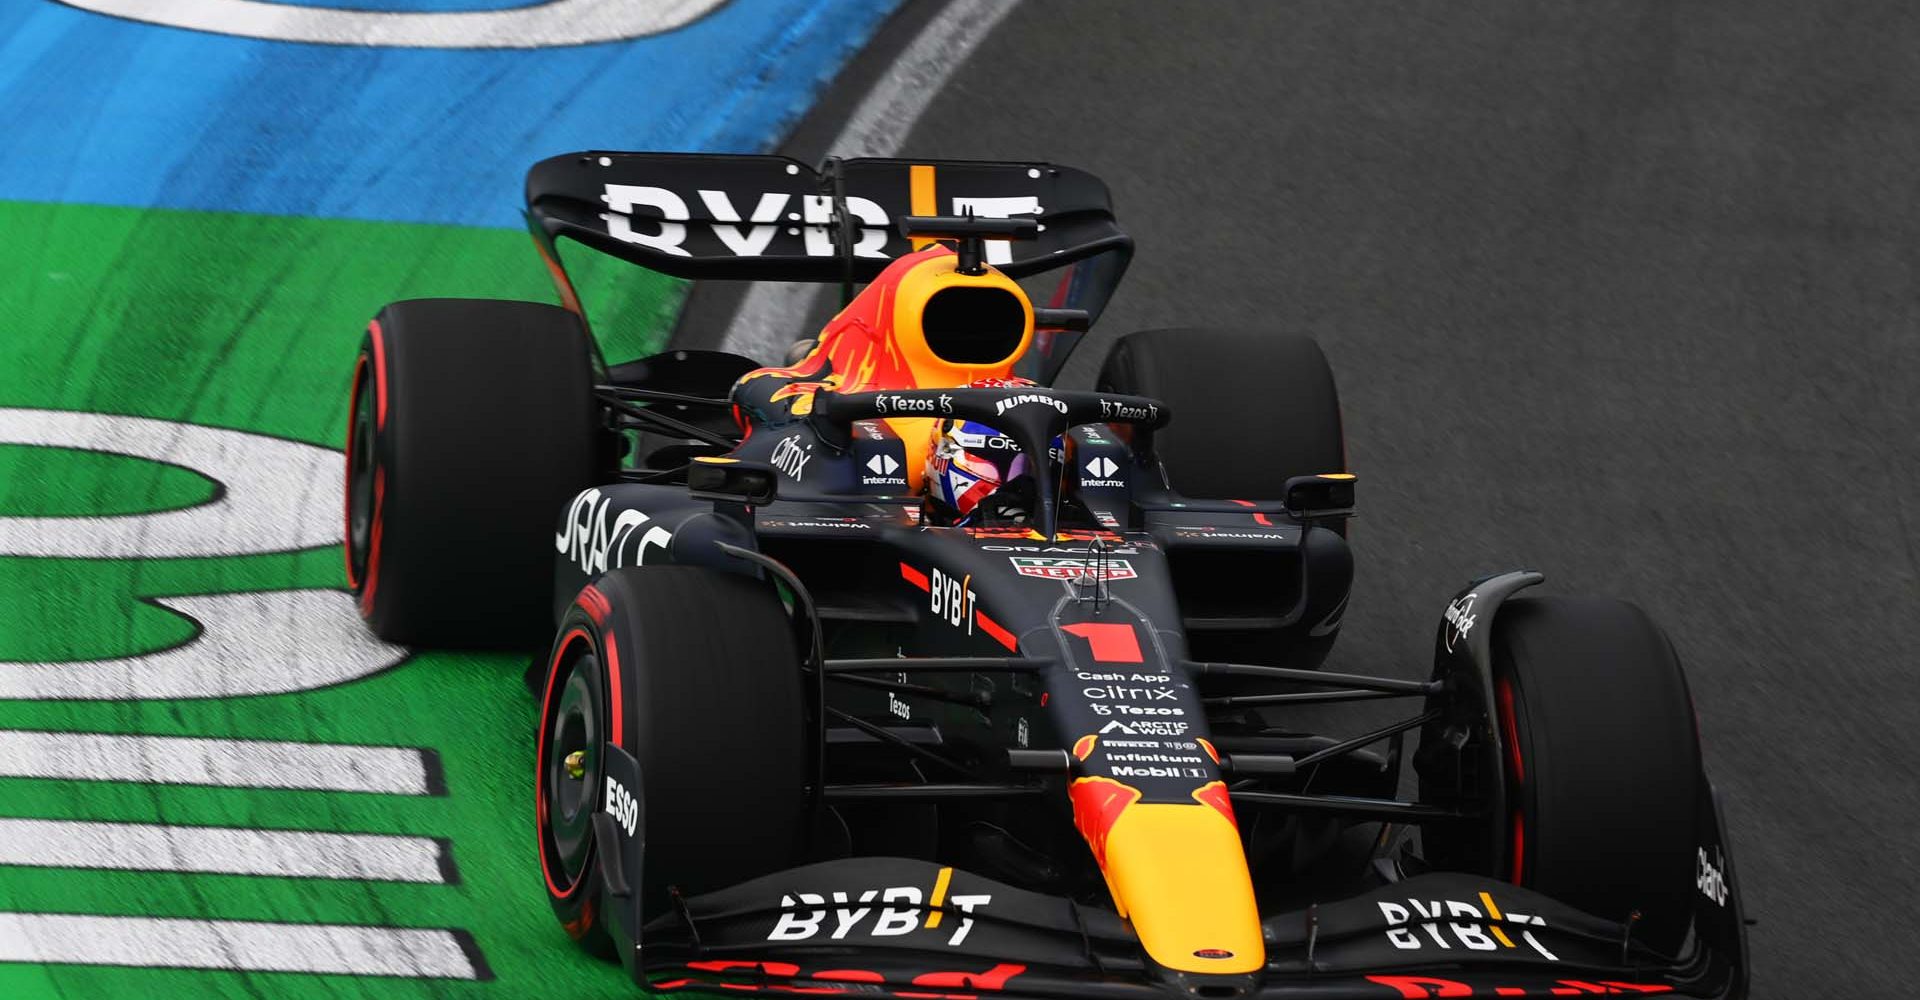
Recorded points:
(1312,498)
(1062,319)
(731,479)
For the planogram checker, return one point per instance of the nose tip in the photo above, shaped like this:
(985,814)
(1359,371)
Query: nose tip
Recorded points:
(1198,986)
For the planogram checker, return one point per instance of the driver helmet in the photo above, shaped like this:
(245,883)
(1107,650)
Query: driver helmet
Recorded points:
(970,463)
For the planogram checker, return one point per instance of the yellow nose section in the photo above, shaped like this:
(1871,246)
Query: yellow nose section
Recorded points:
(1179,873)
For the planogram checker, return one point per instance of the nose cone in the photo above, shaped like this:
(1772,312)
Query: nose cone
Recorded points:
(1179,874)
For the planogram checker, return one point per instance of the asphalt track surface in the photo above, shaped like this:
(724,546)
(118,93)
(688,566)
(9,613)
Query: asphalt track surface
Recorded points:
(1621,291)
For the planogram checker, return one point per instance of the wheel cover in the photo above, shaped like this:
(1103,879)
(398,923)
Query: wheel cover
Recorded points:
(570,784)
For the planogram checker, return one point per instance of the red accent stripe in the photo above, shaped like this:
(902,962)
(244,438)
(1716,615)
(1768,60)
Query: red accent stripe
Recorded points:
(379,373)
(540,761)
(613,689)
(346,493)
(992,628)
(594,603)
(1511,730)
(1261,519)
(915,577)
(1112,642)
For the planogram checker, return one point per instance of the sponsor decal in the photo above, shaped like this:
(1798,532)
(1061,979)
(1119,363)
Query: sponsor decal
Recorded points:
(843,523)
(1113,409)
(891,404)
(1088,675)
(791,456)
(1021,735)
(1118,550)
(1115,692)
(897,707)
(589,537)
(622,806)
(1709,875)
(1131,710)
(842,980)
(951,600)
(1460,619)
(1256,536)
(1212,953)
(1144,727)
(882,470)
(1446,924)
(1054,568)
(1024,398)
(888,911)
(1152,758)
(1099,473)
(1417,987)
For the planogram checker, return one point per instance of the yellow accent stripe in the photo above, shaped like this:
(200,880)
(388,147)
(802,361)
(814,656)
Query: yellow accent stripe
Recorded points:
(940,890)
(920,186)
(1494,912)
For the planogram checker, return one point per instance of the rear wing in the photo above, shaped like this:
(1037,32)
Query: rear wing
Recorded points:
(770,218)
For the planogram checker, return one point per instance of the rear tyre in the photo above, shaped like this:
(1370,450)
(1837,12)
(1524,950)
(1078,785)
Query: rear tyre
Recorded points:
(1251,409)
(1602,773)
(472,423)
(710,686)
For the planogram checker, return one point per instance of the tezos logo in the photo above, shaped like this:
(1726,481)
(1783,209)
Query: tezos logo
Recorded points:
(622,806)
(1709,875)
(1028,397)
(887,403)
(1111,409)
(1460,619)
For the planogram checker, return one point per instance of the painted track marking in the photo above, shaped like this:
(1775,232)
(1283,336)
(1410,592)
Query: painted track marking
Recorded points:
(238,945)
(534,26)
(273,642)
(277,495)
(191,760)
(222,850)
(764,325)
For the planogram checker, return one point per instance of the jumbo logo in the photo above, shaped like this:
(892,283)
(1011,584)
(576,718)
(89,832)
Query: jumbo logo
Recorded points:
(806,915)
(752,235)
(589,539)
(1028,397)
(622,806)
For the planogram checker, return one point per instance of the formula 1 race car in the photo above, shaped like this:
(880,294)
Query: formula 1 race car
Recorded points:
(898,671)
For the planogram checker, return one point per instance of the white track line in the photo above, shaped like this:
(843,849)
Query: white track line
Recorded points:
(190,760)
(221,850)
(770,313)
(234,945)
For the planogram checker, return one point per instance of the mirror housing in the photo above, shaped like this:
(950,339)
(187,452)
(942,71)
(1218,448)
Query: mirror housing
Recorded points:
(732,480)
(1319,497)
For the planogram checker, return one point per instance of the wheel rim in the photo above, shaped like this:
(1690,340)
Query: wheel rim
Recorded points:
(360,463)
(571,781)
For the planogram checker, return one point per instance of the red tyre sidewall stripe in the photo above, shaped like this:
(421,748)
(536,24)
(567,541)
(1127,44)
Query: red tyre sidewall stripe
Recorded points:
(540,758)
(346,494)
(373,542)
(1509,728)
(617,734)
(379,373)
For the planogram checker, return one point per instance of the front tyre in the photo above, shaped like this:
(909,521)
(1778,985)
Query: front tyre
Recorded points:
(1602,773)
(692,675)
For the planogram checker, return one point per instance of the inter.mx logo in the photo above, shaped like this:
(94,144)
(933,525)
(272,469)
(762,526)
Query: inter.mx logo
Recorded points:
(1100,472)
(882,470)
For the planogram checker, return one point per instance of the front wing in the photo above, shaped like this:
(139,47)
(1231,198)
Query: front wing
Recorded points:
(895,927)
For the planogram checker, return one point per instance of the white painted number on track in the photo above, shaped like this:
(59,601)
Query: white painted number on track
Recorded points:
(233,944)
(535,26)
(315,637)
(280,494)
